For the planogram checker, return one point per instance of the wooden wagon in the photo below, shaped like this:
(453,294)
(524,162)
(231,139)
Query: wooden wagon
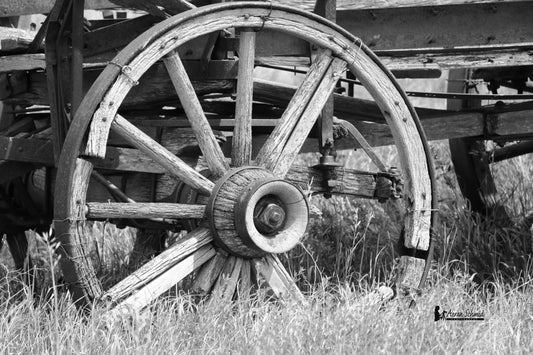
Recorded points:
(160,121)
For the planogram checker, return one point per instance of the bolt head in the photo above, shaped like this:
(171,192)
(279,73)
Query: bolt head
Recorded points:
(270,218)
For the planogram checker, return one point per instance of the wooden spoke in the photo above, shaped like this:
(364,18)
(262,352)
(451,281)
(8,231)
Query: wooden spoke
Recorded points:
(208,275)
(275,275)
(245,282)
(227,281)
(156,151)
(161,263)
(285,142)
(241,152)
(102,210)
(354,132)
(166,279)
(206,138)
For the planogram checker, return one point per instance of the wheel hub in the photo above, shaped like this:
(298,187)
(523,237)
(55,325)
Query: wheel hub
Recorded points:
(251,213)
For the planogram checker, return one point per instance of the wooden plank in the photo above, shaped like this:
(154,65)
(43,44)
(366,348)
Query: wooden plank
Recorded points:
(154,86)
(442,26)
(165,280)
(22,62)
(345,107)
(14,39)
(381,4)
(172,163)
(242,134)
(190,103)
(470,58)
(428,60)
(29,7)
(104,210)
(170,258)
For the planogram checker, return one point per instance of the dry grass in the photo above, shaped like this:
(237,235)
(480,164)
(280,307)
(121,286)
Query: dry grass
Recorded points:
(479,268)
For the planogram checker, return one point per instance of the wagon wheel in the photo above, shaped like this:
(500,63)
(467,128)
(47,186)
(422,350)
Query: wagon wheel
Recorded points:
(253,212)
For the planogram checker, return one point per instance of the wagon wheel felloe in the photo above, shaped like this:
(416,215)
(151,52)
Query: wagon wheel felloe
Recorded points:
(254,211)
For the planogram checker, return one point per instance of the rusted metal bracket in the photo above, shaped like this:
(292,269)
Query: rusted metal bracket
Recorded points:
(389,185)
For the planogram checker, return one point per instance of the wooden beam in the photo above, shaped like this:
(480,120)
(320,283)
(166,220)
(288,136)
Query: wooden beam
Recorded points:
(385,4)
(441,26)
(155,85)
(29,7)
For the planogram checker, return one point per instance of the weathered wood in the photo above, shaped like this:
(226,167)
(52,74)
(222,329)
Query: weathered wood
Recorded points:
(410,272)
(275,275)
(165,279)
(29,7)
(208,275)
(223,214)
(100,210)
(271,150)
(189,101)
(348,108)
(71,233)
(173,164)
(288,137)
(156,7)
(442,26)
(227,281)
(22,62)
(461,59)
(326,9)
(14,39)
(242,134)
(167,260)
(155,86)
(349,181)
(380,4)
(245,280)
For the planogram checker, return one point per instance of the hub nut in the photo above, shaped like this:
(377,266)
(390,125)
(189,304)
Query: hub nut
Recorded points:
(269,217)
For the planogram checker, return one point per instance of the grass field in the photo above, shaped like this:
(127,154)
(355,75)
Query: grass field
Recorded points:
(348,252)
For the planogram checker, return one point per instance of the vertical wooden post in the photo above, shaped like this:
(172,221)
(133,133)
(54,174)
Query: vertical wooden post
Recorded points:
(328,10)
(77,56)
(473,171)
